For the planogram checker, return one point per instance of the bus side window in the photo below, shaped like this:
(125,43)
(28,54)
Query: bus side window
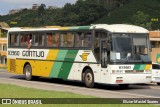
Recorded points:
(56,40)
(35,38)
(83,39)
(52,39)
(38,39)
(12,36)
(70,39)
(23,40)
(67,39)
(78,40)
(42,39)
(14,39)
(63,39)
(87,39)
(17,40)
(49,39)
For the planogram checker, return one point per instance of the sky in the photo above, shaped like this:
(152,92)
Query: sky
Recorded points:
(6,5)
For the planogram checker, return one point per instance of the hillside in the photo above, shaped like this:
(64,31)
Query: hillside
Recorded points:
(125,14)
(30,18)
(145,13)
(83,12)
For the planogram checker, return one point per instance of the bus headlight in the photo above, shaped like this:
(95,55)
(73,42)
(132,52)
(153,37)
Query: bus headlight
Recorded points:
(147,71)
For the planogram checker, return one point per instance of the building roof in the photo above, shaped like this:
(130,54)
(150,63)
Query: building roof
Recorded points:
(4,25)
(154,34)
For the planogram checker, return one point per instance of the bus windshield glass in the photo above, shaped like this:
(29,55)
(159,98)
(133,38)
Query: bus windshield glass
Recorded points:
(129,48)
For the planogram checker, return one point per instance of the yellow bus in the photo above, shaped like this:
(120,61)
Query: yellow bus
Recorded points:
(109,54)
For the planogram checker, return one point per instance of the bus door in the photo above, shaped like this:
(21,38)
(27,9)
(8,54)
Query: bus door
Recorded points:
(104,59)
(104,52)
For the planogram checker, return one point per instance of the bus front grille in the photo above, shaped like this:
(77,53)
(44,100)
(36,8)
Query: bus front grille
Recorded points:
(134,71)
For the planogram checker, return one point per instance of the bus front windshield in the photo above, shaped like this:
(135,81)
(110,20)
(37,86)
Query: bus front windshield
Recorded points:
(129,48)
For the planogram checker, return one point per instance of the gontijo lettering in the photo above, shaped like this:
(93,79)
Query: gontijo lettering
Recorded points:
(33,53)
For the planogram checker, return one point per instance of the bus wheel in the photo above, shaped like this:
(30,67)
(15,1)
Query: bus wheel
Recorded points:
(88,78)
(158,83)
(124,85)
(28,72)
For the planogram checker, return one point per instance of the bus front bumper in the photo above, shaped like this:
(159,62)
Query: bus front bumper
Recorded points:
(130,78)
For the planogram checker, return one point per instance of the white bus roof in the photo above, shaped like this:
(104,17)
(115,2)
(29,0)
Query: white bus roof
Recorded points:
(122,28)
(114,28)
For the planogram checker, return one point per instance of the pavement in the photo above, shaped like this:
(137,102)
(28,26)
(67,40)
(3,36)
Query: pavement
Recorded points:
(150,90)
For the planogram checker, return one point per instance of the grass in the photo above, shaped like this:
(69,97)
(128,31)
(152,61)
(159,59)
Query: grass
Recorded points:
(12,91)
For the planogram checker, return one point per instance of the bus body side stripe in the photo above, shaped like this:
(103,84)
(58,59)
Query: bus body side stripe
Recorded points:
(136,67)
(148,67)
(142,67)
(52,55)
(57,65)
(66,67)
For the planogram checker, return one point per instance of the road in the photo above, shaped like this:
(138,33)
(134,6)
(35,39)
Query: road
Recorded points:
(100,90)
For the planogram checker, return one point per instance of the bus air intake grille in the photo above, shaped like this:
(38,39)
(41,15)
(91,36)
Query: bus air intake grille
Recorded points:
(12,65)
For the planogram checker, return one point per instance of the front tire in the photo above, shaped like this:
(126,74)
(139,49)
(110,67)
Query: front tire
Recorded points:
(89,78)
(28,72)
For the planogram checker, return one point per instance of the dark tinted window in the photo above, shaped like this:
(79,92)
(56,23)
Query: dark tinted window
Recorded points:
(155,66)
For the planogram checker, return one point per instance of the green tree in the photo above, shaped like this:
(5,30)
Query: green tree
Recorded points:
(141,19)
